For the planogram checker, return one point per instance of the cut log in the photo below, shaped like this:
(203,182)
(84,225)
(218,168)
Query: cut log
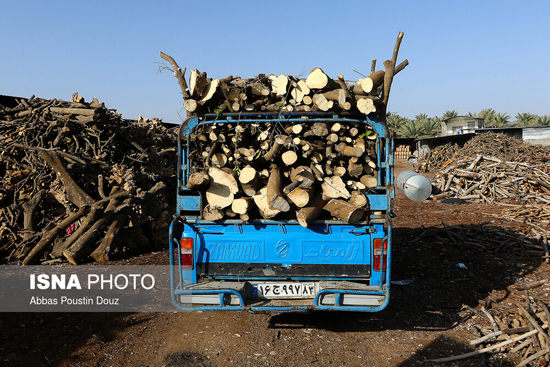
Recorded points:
(366,105)
(317,79)
(198,180)
(289,157)
(310,212)
(242,205)
(355,169)
(249,181)
(358,199)
(301,196)
(211,213)
(190,105)
(321,102)
(222,189)
(279,84)
(275,197)
(334,188)
(210,91)
(373,81)
(369,181)
(260,199)
(344,211)
(197,83)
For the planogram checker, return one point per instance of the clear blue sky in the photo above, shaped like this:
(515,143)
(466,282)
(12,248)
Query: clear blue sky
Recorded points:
(464,55)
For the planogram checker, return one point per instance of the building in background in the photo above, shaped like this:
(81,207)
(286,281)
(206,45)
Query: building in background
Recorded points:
(461,125)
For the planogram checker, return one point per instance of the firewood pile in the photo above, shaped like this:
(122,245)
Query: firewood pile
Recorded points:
(276,169)
(490,144)
(79,182)
(491,180)
(292,171)
(517,326)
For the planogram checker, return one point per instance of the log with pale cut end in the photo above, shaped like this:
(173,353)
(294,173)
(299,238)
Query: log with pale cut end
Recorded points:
(249,180)
(223,187)
(242,205)
(259,89)
(275,197)
(318,129)
(294,129)
(197,83)
(198,180)
(351,151)
(190,105)
(317,79)
(310,212)
(212,213)
(279,84)
(322,103)
(366,105)
(373,81)
(219,160)
(344,211)
(369,181)
(209,91)
(301,196)
(304,175)
(334,188)
(260,199)
(289,157)
(339,171)
(308,100)
(358,199)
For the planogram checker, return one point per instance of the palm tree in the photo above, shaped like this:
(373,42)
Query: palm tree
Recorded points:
(526,119)
(412,129)
(501,120)
(395,122)
(449,114)
(543,120)
(488,115)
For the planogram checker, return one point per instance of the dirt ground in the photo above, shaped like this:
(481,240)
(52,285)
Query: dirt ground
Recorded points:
(424,320)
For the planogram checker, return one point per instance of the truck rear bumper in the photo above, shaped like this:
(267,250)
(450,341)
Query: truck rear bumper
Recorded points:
(231,296)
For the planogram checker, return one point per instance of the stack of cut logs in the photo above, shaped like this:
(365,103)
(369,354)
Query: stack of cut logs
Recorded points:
(287,93)
(78,182)
(288,171)
(402,152)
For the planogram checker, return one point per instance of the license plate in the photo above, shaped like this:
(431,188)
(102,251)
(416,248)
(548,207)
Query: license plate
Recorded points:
(283,290)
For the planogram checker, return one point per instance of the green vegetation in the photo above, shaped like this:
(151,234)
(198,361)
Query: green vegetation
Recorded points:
(424,126)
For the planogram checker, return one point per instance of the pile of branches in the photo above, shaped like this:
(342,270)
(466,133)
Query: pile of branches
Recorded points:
(489,144)
(288,93)
(492,180)
(77,181)
(288,170)
(520,331)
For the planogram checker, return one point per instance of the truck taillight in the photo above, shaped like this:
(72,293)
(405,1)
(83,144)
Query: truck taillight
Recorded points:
(380,254)
(186,253)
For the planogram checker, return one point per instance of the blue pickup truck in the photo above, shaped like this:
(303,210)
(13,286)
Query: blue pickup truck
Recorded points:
(277,264)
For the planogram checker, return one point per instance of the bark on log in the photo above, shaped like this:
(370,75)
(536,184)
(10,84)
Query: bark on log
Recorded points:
(260,199)
(212,213)
(75,194)
(275,197)
(50,236)
(333,188)
(309,213)
(344,211)
(222,189)
(104,251)
(198,180)
(301,196)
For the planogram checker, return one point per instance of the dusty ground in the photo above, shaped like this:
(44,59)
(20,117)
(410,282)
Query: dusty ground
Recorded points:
(423,320)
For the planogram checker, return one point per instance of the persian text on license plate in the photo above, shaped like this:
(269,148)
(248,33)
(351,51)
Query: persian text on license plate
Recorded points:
(283,290)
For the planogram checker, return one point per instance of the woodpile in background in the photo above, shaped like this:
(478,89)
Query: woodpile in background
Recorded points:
(78,182)
(402,152)
(284,170)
